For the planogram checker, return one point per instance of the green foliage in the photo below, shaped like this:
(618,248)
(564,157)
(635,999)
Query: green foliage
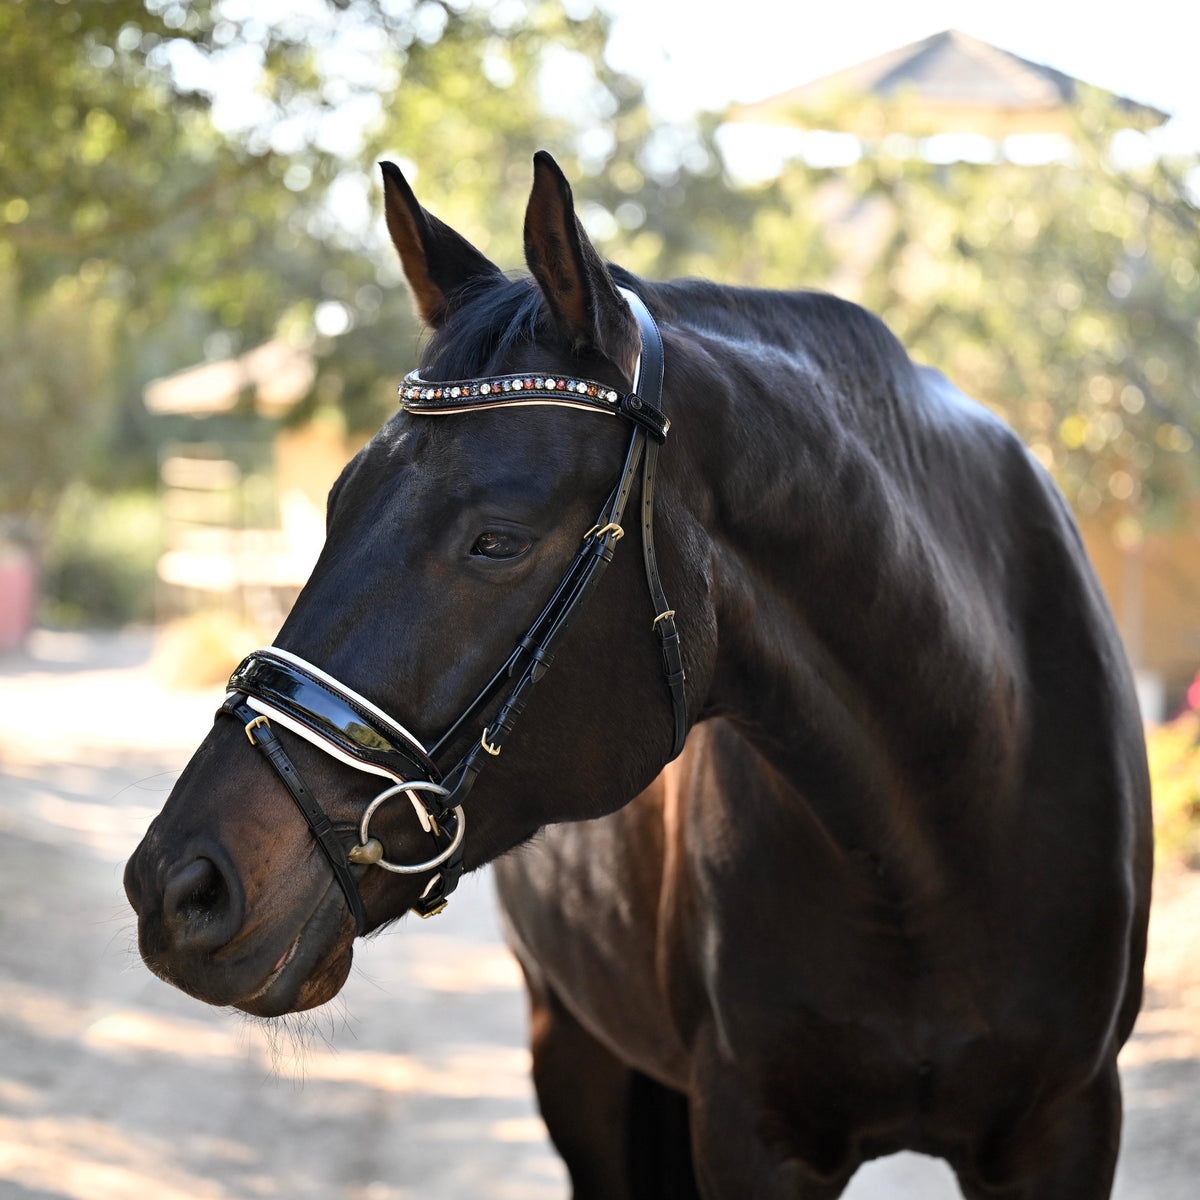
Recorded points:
(114,210)
(1064,295)
(1174,753)
(98,564)
(138,236)
(55,364)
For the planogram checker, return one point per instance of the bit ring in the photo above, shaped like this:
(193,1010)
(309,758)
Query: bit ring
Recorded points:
(408,788)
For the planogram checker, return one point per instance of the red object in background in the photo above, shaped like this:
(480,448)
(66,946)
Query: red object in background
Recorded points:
(17,591)
(1193,694)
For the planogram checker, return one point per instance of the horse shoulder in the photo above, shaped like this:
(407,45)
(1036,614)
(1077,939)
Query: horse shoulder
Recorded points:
(1072,842)
(591,913)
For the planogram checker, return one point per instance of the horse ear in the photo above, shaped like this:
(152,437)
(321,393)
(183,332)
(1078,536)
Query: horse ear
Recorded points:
(436,260)
(576,283)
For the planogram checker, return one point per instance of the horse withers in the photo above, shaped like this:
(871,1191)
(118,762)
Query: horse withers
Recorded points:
(892,894)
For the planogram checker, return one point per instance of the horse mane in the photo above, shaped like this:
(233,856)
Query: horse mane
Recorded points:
(852,347)
(489,318)
(494,316)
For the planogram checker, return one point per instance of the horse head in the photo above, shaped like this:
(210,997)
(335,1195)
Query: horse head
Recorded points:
(447,535)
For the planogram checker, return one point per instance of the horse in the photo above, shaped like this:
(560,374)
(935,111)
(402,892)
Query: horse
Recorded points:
(844,848)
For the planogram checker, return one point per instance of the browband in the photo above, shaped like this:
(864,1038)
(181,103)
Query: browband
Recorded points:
(515,391)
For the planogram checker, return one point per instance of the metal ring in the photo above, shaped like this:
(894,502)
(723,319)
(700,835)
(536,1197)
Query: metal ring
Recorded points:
(408,788)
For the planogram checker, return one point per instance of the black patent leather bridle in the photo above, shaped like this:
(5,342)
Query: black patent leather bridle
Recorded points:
(272,685)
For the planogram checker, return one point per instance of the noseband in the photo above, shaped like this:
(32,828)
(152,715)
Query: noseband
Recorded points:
(272,685)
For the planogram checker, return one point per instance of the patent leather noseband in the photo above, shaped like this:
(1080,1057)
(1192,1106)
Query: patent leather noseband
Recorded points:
(273,685)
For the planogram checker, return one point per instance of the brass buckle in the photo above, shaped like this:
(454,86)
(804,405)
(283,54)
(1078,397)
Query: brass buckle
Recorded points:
(259,720)
(599,531)
(433,912)
(492,750)
(662,616)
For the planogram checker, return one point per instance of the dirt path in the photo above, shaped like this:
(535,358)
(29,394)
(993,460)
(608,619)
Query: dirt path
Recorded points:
(415,1083)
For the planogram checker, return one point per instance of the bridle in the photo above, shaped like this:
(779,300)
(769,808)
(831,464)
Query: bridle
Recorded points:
(273,685)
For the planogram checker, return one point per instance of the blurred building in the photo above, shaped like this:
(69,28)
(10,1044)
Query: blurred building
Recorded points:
(950,83)
(244,521)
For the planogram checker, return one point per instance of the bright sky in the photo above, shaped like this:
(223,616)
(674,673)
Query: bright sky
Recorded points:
(704,53)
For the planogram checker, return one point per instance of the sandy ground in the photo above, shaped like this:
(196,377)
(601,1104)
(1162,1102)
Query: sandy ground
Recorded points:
(414,1083)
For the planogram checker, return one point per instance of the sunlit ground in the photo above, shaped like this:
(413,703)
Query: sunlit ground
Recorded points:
(415,1083)
(113,1085)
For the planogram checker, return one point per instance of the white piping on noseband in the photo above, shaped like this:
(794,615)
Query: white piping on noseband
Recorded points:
(332,749)
(339,687)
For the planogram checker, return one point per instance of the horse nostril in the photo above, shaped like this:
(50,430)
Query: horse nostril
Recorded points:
(201,907)
(133,883)
(195,890)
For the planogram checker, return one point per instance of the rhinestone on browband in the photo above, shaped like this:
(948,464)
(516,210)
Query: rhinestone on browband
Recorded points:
(498,391)
(416,389)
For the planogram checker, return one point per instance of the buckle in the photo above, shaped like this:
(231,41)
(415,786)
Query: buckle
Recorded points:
(252,725)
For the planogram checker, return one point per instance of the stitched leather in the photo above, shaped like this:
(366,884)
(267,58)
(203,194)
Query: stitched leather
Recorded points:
(322,828)
(334,715)
(650,385)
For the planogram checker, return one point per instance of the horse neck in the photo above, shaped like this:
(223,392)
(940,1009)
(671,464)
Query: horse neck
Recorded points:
(845,641)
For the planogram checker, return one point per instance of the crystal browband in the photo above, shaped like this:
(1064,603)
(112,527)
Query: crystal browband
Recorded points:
(466,395)
(415,388)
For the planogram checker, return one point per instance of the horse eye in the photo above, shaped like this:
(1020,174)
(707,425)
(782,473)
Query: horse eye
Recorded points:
(495,543)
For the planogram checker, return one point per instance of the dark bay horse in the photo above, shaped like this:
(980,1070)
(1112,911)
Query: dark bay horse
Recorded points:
(893,892)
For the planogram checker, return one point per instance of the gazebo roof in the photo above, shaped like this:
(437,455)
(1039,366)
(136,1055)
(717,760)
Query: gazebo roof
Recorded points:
(278,373)
(949,83)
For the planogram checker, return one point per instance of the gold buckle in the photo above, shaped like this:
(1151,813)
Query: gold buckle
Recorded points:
(662,616)
(492,750)
(600,531)
(260,720)
(433,912)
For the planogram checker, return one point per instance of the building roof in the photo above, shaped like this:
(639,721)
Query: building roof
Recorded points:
(949,83)
(278,373)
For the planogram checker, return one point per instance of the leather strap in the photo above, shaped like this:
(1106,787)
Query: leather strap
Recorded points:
(333,711)
(260,733)
(643,408)
(649,384)
(664,620)
(531,645)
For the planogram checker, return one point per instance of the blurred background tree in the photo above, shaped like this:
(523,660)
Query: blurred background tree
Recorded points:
(1065,296)
(149,222)
(140,234)
(143,228)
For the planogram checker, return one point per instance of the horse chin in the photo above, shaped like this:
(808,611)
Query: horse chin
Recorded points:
(289,990)
(312,969)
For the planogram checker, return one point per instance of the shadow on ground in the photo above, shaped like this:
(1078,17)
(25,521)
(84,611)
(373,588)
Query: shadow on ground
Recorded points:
(414,1083)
